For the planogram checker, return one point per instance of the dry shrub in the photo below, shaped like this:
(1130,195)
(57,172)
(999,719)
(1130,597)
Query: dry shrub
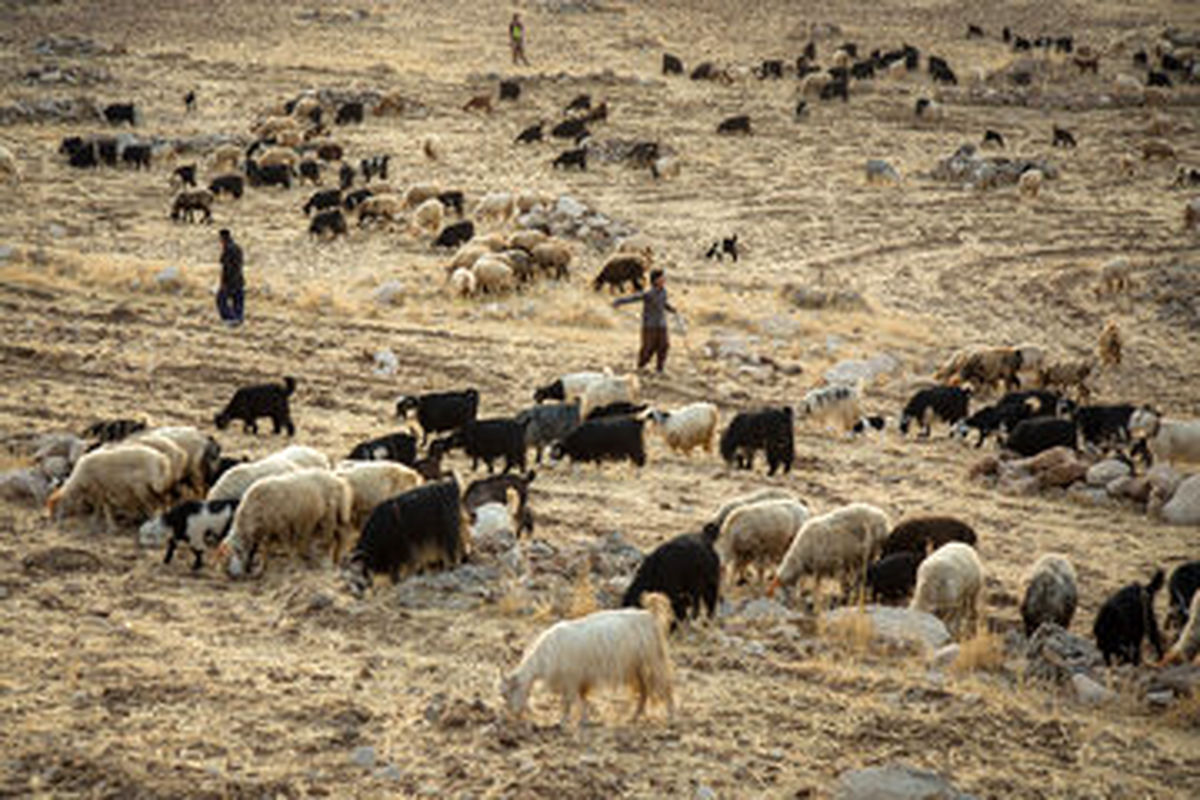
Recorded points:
(1185,712)
(853,631)
(984,651)
(583,596)
(582,312)
(316,297)
(514,602)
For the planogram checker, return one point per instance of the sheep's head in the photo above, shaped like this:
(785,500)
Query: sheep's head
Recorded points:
(515,693)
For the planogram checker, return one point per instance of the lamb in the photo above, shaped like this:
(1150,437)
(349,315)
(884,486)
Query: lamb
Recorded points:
(1187,646)
(235,482)
(1067,374)
(187,203)
(126,478)
(546,424)
(373,482)
(840,543)
(199,524)
(429,215)
(496,489)
(1108,348)
(606,439)
(1050,594)
(689,427)
(949,584)
(759,534)
(605,648)
(553,257)
(1125,619)
(767,429)
(607,390)
(463,283)
(488,440)
(947,403)
(892,577)
(493,276)
(454,235)
(686,569)
(569,387)
(921,535)
(304,510)
(399,447)
(839,403)
(413,531)
(440,412)
(1030,182)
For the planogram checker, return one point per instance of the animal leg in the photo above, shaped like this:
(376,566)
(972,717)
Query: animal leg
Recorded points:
(640,688)
(566,703)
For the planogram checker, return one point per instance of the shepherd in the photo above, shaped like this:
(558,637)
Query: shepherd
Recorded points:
(232,292)
(516,38)
(655,341)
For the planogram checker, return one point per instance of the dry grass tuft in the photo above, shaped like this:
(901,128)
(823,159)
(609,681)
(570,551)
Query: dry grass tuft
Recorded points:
(984,651)
(852,631)
(583,596)
(1185,713)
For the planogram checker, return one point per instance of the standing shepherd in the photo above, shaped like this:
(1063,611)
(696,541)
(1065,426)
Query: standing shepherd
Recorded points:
(655,341)
(516,39)
(231,296)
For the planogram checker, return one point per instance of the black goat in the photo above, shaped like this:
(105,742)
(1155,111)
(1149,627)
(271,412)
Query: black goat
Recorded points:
(671,65)
(1184,583)
(993,137)
(621,408)
(510,90)
(686,569)
(923,535)
(456,234)
(189,101)
(228,184)
(737,124)
(354,199)
(768,429)
(399,447)
(570,129)
(488,440)
(1032,436)
(375,165)
(947,403)
(618,271)
(839,87)
(80,154)
(249,403)
(116,113)
(728,246)
(452,201)
(1125,619)
(1099,425)
(572,158)
(1062,137)
(136,155)
(310,170)
(332,222)
(348,113)
(186,174)
(268,175)
(892,577)
(440,412)
(581,102)
(531,134)
(326,198)
(345,177)
(495,489)
(607,439)
(974,32)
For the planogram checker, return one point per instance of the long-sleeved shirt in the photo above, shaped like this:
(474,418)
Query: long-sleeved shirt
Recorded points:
(654,306)
(231,267)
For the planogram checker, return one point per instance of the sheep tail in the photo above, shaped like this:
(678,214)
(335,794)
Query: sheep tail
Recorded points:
(659,605)
(1156,583)
(289,385)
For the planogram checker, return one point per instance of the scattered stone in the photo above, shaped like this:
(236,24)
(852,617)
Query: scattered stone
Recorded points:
(389,293)
(24,485)
(765,608)
(7,251)
(613,555)
(944,657)
(363,756)
(68,45)
(894,782)
(61,559)
(1055,654)
(391,772)
(1161,699)
(1089,692)
(50,109)
(385,362)
(1184,506)
(897,627)
(814,299)
(169,278)
(1105,472)
(869,370)
(468,586)
(704,792)
(988,172)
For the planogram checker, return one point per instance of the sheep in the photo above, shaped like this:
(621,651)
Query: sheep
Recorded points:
(1187,646)
(619,270)
(1030,182)
(667,167)
(546,424)
(235,482)
(331,222)
(553,257)
(495,205)
(497,489)
(227,184)
(689,427)
(569,387)
(454,235)
(1067,374)
(947,403)
(187,203)
(199,524)
(380,206)
(305,510)
(759,534)
(1114,276)
(921,535)
(1125,619)
(8,166)
(372,482)
(686,569)
(413,531)
(481,102)
(982,368)
(606,439)
(713,527)
(279,156)
(527,240)
(1051,593)
(463,283)
(270,126)
(125,478)
(493,276)
(839,403)
(949,584)
(429,215)
(488,440)
(840,543)
(440,412)
(624,646)
(767,429)
(186,448)
(400,447)
(1108,348)
(609,389)
(893,577)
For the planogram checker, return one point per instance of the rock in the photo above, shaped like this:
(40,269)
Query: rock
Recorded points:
(57,231)
(1089,495)
(1161,699)
(944,657)
(1055,654)
(613,555)
(894,782)
(1136,489)
(1184,506)
(868,371)
(6,252)
(391,772)
(24,485)
(55,468)
(385,363)
(1089,691)
(810,298)
(570,207)
(152,533)
(765,608)
(1103,473)
(897,627)
(704,793)
(363,756)
(1163,479)
(169,278)
(66,445)
(389,293)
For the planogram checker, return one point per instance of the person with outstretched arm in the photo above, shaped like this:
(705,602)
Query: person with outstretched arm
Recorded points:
(655,340)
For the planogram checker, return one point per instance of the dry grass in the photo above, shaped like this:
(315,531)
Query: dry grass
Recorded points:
(983,652)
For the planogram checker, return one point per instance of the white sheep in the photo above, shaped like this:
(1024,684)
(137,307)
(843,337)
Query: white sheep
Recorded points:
(607,648)
(304,511)
(278,156)
(382,206)
(812,84)
(199,447)
(176,457)
(305,106)
(429,215)
(609,389)
(466,256)
(1187,646)
(529,200)
(527,239)
(237,480)
(463,283)
(420,192)
(689,427)
(128,478)
(495,205)
(1033,357)
(638,244)
(8,166)
(744,500)
(372,482)
(949,584)
(1051,593)
(492,275)
(838,544)
(839,403)
(1030,182)
(759,534)
(666,167)
(226,157)
(1169,440)
(494,241)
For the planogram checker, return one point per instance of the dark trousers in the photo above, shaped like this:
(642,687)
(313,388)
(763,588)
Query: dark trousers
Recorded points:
(231,304)
(654,343)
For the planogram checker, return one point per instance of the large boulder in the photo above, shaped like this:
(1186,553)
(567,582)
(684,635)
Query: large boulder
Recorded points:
(1054,654)
(902,628)
(1105,472)
(1184,506)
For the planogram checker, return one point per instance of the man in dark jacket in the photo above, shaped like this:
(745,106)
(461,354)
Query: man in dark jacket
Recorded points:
(232,293)
(655,341)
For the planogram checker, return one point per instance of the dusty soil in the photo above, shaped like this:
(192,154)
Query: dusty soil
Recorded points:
(124,677)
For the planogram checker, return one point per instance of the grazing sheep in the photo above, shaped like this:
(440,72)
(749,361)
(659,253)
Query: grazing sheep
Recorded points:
(237,480)
(129,478)
(330,151)
(840,543)
(921,535)
(413,531)
(1187,646)
(498,206)
(1125,619)
(553,257)
(463,283)
(1067,374)
(1030,182)
(606,390)
(949,584)
(1114,276)
(186,204)
(279,156)
(983,368)
(372,482)
(319,201)
(304,511)
(1108,348)
(686,569)
(689,427)
(399,447)
(493,276)
(606,648)
(199,524)
(227,184)
(569,387)
(201,452)
(488,440)
(440,412)
(605,439)
(263,400)
(1050,593)
(619,270)
(570,129)
(838,402)
(1169,441)
(429,215)
(546,424)
(738,124)
(767,429)
(759,534)
(497,489)
(714,526)
(892,577)
(331,222)
(387,207)
(947,403)
(930,110)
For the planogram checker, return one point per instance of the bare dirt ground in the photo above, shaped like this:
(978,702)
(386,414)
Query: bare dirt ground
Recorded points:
(120,676)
